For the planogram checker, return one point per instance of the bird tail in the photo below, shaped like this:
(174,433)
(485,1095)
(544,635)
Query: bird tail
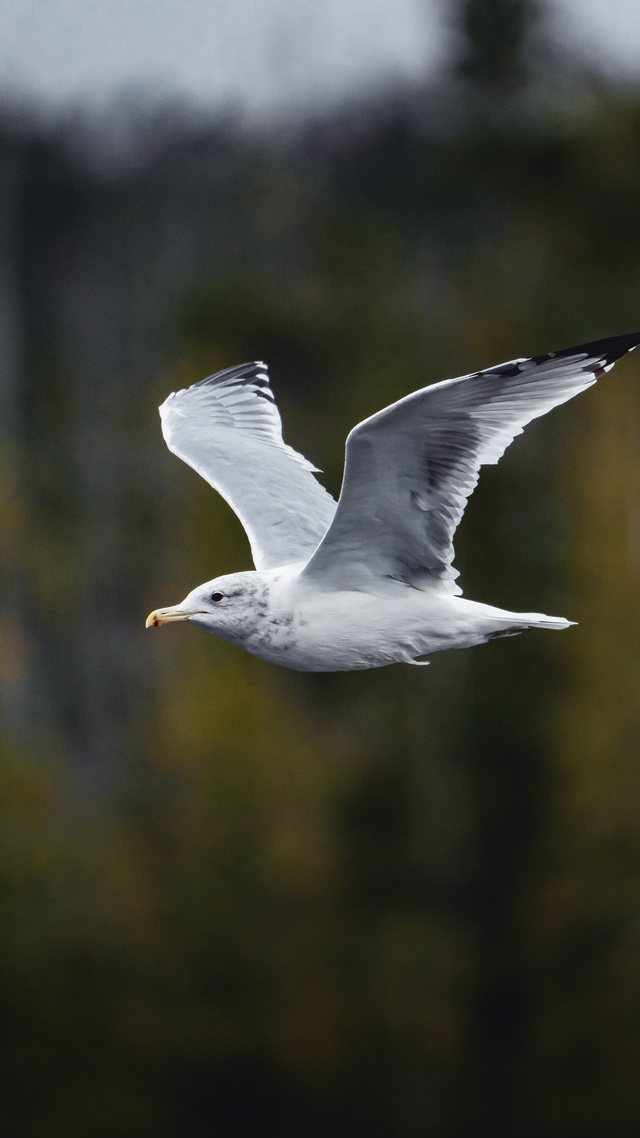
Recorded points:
(524,620)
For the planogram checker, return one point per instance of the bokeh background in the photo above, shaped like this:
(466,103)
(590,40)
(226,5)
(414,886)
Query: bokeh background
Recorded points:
(233,899)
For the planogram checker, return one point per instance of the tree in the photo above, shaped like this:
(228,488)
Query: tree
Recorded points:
(496,34)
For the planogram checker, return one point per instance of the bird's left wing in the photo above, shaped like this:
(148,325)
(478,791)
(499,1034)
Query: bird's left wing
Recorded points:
(228,428)
(410,468)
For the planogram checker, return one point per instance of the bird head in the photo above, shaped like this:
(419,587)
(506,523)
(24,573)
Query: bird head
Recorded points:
(226,606)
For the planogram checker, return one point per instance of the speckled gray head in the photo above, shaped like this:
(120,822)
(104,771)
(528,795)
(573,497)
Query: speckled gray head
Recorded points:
(227,606)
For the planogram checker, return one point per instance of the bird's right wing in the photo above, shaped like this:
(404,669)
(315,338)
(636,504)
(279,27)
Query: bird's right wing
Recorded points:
(228,428)
(410,468)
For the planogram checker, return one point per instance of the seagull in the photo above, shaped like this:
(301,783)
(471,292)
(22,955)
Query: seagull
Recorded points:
(369,580)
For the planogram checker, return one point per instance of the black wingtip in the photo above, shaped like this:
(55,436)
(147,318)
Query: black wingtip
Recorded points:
(254,375)
(608,350)
(242,372)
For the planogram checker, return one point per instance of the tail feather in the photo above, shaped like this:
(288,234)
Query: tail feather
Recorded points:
(525,620)
(539,620)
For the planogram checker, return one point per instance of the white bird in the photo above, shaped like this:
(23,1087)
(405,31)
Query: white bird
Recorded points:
(370,580)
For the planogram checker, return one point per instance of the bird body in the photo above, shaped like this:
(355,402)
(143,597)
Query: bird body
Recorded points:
(274,614)
(369,581)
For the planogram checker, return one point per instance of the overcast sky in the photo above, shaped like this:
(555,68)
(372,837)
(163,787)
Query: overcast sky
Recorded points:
(259,56)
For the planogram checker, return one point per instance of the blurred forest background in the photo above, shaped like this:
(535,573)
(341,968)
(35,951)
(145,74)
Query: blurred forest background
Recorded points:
(237,900)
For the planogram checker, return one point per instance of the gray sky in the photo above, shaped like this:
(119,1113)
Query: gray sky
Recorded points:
(259,56)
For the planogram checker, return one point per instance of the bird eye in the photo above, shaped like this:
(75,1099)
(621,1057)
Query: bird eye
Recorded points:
(217,596)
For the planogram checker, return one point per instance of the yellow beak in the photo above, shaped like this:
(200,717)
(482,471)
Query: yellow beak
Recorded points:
(159,617)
